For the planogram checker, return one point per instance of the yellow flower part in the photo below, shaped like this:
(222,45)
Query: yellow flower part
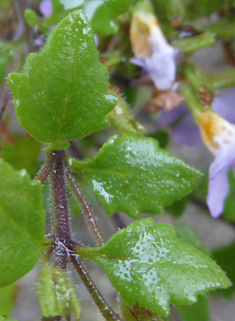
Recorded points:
(146,35)
(217,133)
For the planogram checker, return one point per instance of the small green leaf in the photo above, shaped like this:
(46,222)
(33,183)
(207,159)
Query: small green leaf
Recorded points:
(195,312)
(56,293)
(23,153)
(103,13)
(61,94)
(169,10)
(223,79)
(133,175)
(22,221)
(122,120)
(7,299)
(189,45)
(149,265)
(31,18)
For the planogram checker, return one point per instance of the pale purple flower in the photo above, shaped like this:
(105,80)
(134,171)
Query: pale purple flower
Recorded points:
(45,7)
(218,134)
(219,137)
(152,51)
(187,132)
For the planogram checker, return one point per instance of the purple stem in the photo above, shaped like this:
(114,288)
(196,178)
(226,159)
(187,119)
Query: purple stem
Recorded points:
(104,308)
(47,167)
(88,212)
(60,210)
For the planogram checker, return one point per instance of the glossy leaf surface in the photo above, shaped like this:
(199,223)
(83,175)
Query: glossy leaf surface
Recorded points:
(22,221)
(133,175)
(61,94)
(149,265)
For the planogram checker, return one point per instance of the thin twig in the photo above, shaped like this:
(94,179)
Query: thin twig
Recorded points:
(103,306)
(88,212)
(46,168)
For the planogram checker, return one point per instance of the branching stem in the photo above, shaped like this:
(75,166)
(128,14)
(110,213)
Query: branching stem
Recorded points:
(47,167)
(88,212)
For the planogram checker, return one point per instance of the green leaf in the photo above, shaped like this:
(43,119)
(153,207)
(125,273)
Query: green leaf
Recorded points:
(169,10)
(31,18)
(56,293)
(149,265)
(188,235)
(178,207)
(223,79)
(224,256)
(189,45)
(197,311)
(121,119)
(161,136)
(133,175)
(61,94)
(7,299)
(23,153)
(3,66)
(22,221)
(103,13)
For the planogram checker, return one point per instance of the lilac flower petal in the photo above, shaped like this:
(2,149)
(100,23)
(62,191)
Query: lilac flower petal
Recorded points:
(46,8)
(224,159)
(187,132)
(218,191)
(162,68)
(138,62)
(224,104)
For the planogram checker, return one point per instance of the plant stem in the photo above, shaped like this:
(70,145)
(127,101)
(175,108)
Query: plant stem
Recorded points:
(47,167)
(88,212)
(103,306)
(5,101)
(60,210)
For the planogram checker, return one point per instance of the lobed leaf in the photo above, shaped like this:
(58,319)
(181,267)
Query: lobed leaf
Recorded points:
(22,221)
(149,265)
(133,175)
(61,94)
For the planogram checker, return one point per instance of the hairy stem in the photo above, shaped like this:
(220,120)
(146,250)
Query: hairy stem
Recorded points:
(88,212)
(47,167)
(60,210)
(103,306)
